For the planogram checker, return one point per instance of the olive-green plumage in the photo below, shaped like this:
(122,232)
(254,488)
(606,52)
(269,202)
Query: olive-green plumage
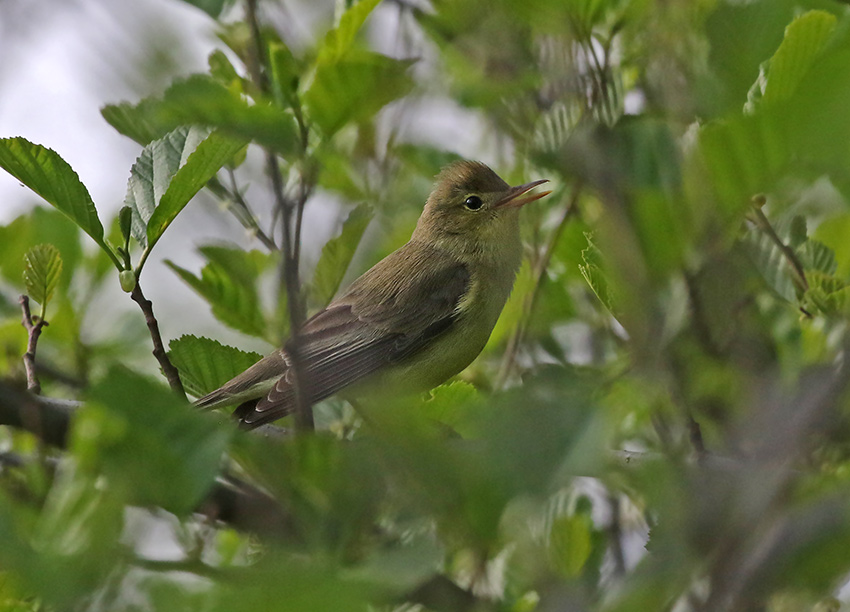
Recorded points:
(416,318)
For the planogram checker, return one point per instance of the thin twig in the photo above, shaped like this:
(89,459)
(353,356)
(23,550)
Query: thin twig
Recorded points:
(249,221)
(33,332)
(516,339)
(168,369)
(290,246)
(798,274)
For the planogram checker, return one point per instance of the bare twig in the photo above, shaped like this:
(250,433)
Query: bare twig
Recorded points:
(517,338)
(168,369)
(33,332)
(248,220)
(291,232)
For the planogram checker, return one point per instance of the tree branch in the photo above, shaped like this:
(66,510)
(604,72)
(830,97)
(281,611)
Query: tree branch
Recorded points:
(33,333)
(168,369)
(230,501)
(290,245)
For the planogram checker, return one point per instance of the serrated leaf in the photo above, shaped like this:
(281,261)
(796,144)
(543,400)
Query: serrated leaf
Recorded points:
(151,175)
(337,254)
(233,302)
(805,38)
(205,364)
(355,88)
(42,269)
(46,173)
(203,164)
(770,262)
(338,41)
(134,431)
(816,256)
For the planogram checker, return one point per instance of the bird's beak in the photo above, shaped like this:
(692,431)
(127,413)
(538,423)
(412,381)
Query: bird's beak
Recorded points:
(519,196)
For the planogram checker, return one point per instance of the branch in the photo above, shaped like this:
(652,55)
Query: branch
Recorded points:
(33,333)
(230,501)
(290,245)
(168,369)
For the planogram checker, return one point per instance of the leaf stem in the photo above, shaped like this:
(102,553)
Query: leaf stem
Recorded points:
(168,369)
(798,273)
(33,332)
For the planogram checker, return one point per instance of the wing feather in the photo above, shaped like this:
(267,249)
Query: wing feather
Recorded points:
(392,311)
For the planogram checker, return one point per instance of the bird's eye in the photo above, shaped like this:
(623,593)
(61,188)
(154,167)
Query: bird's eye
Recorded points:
(473,202)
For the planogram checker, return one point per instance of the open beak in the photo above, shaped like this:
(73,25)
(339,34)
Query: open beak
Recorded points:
(519,196)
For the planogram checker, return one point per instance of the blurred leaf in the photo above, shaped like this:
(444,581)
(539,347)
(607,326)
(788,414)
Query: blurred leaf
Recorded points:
(231,292)
(41,273)
(46,225)
(354,88)
(137,122)
(201,100)
(570,543)
(202,165)
(770,262)
(338,41)
(205,364)
(135,432)
(42,170)
(595,277)
(450,404)
(213,8)
(804,39)
(221,68)
(833,233)
(337,255)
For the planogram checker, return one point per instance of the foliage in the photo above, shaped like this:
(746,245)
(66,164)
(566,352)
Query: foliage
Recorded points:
(659,422)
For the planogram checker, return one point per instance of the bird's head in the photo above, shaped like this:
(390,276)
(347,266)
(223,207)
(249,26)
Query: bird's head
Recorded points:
(471,209)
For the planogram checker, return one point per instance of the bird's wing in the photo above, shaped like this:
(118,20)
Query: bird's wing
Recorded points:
(372,325)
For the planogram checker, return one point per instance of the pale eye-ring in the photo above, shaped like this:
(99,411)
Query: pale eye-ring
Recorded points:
(473,202)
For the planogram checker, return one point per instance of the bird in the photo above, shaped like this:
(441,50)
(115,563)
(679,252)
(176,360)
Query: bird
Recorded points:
(412,321)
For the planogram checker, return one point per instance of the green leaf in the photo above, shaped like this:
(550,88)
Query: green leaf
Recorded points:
(834,232)
(213,8)
(46,173)
(570,543)
(150,176)
(43,267)
(816,256)
(338,41)
(41,225)
(233,297)
(337,254)
(205,364)
(450,404)
(135,432)
(202,165)
(804,39)
(594,275)
(355,88)
(137,122)
(202,100)
(770,262)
